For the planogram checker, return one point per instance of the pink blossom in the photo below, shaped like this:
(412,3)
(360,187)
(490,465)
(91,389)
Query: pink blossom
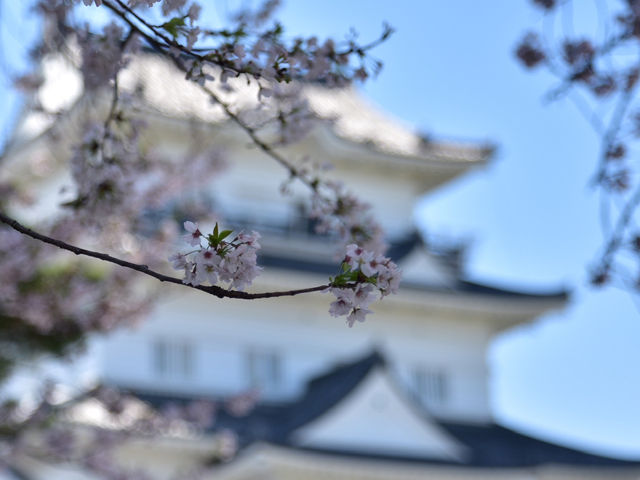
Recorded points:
(232,262)
(194,12)
(207,263)
(101,56)
(356,257)
(388,279)
(363,295)
(352,299)
(192,36)
(343,303)
(169,6)
(146,3)
(193,235)
(178,261)
(357,315)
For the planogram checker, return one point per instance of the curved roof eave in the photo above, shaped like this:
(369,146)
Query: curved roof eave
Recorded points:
(504,307)
(436,159)
(352,123)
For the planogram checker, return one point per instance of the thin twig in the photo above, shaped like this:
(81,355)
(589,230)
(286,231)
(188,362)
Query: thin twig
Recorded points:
(249,130)
(617,237)
(611,134)
(212,290)
(125,10)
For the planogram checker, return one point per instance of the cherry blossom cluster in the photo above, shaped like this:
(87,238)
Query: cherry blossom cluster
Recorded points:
(250,48)
(110,419)
(103,55)
(102,168)
(363,273)
(218,259)
(58,299)
(293,117)
(337,210)
(109,169)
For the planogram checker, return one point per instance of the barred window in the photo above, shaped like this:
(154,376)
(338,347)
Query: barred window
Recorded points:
(173,359)
(430,385)
(264,370)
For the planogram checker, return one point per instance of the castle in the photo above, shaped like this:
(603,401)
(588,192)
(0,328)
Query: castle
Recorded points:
(404,395)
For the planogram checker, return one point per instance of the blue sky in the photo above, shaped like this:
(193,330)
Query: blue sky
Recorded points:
(573,376)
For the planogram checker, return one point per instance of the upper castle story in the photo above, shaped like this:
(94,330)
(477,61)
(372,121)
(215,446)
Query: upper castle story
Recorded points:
(435,331)
(381,160)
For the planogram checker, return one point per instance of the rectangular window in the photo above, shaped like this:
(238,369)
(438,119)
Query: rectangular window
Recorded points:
(264,370)
(160,357)
(172,358)
(429,385)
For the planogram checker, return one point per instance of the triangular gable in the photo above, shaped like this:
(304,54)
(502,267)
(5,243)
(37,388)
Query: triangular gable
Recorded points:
(376,418)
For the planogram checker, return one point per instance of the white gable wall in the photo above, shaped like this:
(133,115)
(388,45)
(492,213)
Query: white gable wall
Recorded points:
(375,418)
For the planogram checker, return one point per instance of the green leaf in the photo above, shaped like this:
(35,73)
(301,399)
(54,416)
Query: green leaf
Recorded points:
(224,234)
(345,278)
(173,26)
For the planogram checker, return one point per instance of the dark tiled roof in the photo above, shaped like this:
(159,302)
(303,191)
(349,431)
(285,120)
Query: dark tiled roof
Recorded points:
(489,445)
(497,446)
(463,286)
(398,250)
(326,390)
(275,422)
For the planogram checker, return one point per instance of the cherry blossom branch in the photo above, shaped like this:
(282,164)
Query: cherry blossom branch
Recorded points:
(123,11)
(131,12)
(57,437)
(261,144)
(251,132)
(211,289)
(337,206)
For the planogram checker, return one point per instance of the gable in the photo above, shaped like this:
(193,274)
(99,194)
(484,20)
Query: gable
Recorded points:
(376,418)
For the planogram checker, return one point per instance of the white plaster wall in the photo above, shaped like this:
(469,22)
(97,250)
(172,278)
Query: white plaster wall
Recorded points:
(250,185)
(309,341)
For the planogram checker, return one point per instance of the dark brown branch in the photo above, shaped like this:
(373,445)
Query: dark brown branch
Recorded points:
(250,131)
(266,148)
(261,144)
(611,134)
(212,290)
(294,172)
(122,10)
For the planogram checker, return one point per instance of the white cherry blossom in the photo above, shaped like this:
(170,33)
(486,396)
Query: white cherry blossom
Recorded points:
(193,235)
(221,260)
(364,273)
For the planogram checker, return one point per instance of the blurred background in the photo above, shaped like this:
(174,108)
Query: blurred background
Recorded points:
(530,217)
